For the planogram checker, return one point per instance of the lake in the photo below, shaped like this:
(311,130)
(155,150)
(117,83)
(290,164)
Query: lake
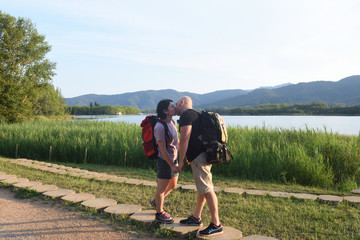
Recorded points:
(348,125)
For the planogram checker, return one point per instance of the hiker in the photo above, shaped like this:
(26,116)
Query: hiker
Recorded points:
(191,148)
(166,136)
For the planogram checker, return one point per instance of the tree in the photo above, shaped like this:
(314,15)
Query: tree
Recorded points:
(25,73)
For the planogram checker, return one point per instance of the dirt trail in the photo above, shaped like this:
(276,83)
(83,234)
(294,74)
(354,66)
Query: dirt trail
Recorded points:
(36,219)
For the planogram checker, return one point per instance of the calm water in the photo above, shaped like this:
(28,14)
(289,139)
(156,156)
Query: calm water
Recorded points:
(339,124)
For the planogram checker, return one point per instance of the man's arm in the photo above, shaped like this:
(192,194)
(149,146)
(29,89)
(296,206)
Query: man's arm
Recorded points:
(185,132)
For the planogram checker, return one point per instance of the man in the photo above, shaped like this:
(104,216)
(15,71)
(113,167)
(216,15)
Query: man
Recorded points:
(191,148)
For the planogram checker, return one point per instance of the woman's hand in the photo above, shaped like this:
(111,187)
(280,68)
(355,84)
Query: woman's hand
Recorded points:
(175,169)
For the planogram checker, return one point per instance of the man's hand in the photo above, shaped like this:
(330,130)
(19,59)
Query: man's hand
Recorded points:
(175,169)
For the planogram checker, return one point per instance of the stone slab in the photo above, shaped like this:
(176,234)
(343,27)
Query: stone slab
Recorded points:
(189,187)
(150,183)
(76,169)
(356,191)
(134,181)
(62,172)
(27,184)
(44,188)
(234,190)
(99,203)
(229,234)
(102,177)
(180,229)
(257,192)
(258,237)
(43,168)
(217,189)
(57,171)
(26,164)
(75,174)
(6,176)
(45,164)
(20,159)
(78,197)
(280,194)
(59,193)
(305,196)
(118,179)
(121,209)
(146,216)
(15,180)
(330,198)
(89,176)
(66,168)
(352,199)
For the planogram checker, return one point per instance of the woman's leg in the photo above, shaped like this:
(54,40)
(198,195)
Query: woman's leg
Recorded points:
(160,193)
(171,186)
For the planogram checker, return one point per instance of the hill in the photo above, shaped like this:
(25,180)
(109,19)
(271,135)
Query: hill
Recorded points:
(346,91)
(149,99)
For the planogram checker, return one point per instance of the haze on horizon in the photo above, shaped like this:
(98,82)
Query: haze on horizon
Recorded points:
(113,47)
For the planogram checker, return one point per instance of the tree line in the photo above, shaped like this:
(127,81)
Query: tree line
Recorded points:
(102,110)
(317,108)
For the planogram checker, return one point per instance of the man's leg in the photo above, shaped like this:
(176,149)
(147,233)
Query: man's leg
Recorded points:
(212,203)
(200,202)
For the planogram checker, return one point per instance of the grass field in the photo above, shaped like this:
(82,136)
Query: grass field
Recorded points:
(304,157)
(281,218)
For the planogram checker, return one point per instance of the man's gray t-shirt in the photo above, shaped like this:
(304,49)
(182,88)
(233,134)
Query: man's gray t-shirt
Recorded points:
(171,141)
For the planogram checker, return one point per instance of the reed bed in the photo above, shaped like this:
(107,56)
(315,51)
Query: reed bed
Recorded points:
(307,157)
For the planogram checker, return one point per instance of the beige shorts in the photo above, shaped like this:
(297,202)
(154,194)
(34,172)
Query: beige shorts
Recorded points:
(202,174)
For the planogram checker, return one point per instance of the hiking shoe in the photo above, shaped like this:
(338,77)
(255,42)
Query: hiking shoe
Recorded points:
(163,217)
(191,221)
(153,203)
(211,230)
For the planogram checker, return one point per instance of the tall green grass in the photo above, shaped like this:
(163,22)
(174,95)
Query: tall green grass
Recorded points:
(305,157)
(106,142)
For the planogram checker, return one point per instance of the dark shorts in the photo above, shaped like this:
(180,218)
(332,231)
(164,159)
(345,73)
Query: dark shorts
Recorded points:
(164,170)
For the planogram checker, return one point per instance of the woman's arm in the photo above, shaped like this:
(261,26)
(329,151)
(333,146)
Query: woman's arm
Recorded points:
(166,156)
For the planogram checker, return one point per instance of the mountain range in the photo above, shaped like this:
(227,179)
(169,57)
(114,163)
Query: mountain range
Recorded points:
(345,91)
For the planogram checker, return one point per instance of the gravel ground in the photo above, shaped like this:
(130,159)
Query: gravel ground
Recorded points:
(38,219)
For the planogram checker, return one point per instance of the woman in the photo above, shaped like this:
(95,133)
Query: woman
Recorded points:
(166,137)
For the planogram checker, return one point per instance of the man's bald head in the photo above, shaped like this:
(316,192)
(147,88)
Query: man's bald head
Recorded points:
(183,103)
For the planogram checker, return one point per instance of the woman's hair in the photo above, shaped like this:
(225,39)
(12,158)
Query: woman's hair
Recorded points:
(163,105)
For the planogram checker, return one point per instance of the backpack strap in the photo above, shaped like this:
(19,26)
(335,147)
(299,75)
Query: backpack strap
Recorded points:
(166,131)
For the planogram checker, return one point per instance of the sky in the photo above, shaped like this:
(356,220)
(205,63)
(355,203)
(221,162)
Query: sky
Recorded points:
(199,46)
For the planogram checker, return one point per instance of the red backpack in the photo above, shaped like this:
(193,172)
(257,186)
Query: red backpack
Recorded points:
(149,141)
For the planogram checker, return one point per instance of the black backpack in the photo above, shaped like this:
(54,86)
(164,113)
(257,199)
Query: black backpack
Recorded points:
(213,135)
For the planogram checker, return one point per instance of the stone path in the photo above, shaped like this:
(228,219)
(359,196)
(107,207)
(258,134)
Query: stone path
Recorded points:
(109,205)
(40,220)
